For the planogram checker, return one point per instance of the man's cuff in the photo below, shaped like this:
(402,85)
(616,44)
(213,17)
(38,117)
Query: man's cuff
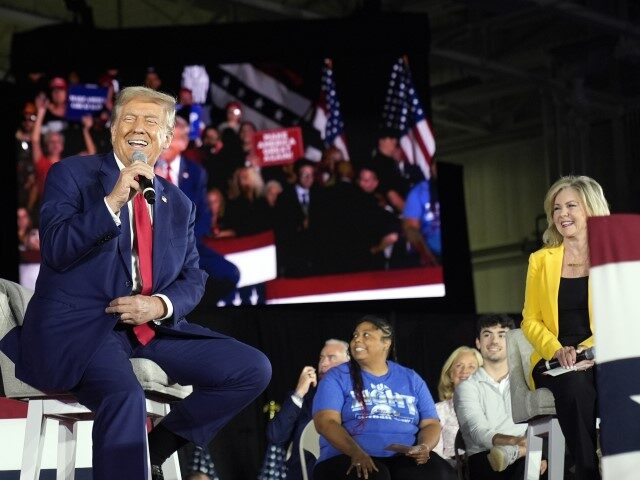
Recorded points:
(297,400)
(116,218)
(169,305)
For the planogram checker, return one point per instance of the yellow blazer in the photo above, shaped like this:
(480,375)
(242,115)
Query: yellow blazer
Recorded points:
(540,312)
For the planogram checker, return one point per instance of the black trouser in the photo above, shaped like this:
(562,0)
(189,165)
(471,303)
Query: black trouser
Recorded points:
(576,405)
(480,468)
(399,467)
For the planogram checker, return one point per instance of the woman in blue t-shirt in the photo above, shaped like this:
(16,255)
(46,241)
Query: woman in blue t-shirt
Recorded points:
(376,418)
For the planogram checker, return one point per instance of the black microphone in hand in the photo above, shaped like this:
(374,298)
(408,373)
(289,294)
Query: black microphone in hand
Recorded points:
(586,354)
(147,185)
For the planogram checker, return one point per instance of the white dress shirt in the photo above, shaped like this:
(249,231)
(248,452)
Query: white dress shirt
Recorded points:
(136,278)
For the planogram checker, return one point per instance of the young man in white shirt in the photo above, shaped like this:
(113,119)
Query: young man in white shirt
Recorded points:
(495,445)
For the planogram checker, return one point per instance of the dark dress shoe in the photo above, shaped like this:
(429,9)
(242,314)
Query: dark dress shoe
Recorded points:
(156,473)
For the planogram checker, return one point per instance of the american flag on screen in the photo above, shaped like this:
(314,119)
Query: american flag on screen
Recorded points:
(266,101)
(403,112)
(328,119)
(615,276)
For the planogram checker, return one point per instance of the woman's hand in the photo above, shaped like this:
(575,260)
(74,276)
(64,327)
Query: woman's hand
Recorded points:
(583,364)
(420,453)
(566,356)
(362,463)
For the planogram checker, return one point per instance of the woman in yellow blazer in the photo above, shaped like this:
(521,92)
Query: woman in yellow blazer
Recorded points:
(557,317)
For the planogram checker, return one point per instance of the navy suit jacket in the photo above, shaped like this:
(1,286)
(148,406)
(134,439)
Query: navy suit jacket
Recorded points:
(192,180)
(287,427)
(86,263)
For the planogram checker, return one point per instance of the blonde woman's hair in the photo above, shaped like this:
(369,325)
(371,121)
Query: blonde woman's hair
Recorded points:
(167,102)
(590,193)
(257,184)
(445,385)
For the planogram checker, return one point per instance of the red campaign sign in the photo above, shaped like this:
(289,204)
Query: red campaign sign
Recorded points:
(279,146)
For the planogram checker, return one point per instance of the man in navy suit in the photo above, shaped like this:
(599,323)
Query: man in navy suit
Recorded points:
(191,178)
(95,295)
(295,414)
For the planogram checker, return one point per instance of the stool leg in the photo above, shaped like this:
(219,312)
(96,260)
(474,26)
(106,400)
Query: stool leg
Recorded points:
(34,432)
(171,466)
(556,451)
(67,441)
(534,454)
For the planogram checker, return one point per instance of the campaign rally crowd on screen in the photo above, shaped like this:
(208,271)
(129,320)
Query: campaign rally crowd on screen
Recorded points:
(334,215)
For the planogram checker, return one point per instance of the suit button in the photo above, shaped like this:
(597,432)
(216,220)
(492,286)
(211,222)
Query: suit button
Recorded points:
(128,283)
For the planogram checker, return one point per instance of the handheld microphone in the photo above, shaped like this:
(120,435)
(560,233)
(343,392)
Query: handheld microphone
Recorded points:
(147,185)
(586,354)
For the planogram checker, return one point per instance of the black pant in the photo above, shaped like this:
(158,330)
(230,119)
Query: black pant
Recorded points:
(576,405)
(480,469)
(398,467)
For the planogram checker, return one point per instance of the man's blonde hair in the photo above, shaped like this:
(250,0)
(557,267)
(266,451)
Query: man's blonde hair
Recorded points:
(167,102)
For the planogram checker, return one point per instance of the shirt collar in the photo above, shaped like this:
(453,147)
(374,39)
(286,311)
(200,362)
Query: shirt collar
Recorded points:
(118,162)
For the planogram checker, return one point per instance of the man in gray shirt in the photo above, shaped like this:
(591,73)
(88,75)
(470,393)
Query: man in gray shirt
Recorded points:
(494,444)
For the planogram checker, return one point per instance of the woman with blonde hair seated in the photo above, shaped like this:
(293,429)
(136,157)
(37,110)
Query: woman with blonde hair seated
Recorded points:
(557,315)
(461,364)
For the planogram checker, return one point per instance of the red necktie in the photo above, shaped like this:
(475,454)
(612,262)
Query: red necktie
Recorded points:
(144,246)
(167,173)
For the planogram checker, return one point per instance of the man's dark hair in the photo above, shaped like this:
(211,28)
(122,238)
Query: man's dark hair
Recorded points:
(302,162)
(368,166)
(493,319)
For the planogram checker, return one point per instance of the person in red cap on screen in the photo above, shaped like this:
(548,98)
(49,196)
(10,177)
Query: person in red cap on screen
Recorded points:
(58,98)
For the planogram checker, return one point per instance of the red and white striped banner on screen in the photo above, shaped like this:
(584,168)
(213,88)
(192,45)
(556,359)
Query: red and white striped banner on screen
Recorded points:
(254,255)
(614,246)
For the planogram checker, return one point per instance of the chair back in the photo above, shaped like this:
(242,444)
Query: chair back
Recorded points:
(460,455)
(309,441)
(13,303)
(526,403)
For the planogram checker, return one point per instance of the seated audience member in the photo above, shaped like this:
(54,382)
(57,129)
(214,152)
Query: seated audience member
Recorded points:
(460,365)
(217,203)
(495,445)
(247,210)
(421,224)
(363,407)
(557,317)
(295,413)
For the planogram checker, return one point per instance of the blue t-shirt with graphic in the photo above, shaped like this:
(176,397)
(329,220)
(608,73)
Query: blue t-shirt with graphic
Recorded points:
(395,404)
